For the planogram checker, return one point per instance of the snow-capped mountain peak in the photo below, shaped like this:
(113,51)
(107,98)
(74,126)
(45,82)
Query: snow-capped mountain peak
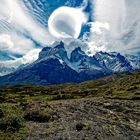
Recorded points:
(134,61)
(77,55)
(54,66)
(57,51)
(114,61)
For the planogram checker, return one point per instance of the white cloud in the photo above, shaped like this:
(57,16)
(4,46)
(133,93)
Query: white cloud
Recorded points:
(15,25)
(15,44)
(30,57)
(13,12)
(5,42)
(22,45)
(66,22)
(96,27)
(112,12)
(123,18)
(97,40)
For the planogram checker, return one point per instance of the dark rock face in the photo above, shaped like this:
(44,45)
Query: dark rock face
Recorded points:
(46,72)
(54,67)
(114,61)
(77,55)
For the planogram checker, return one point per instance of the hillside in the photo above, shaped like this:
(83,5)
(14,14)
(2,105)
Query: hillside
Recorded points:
(107,108)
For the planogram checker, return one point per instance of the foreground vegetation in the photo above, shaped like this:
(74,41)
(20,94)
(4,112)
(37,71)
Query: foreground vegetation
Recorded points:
(107,108)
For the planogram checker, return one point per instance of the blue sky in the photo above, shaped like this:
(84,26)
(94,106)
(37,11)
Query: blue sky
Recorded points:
(111,26)
(24,26)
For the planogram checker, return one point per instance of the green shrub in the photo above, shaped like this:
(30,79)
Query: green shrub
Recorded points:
(132,88)
(37,116)
(62,96)
(11,117)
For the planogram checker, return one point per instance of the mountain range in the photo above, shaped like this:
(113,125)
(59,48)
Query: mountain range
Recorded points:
(55,66)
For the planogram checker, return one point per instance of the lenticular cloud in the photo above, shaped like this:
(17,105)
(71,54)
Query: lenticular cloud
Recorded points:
(66,22)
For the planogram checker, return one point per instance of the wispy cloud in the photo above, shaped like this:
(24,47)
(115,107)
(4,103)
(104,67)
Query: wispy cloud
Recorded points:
(26,59)
(22,23)
(19,30)
(123,18)
(18,17)
(5,42)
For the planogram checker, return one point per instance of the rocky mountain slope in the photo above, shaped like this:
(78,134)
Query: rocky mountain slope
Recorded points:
(54,66)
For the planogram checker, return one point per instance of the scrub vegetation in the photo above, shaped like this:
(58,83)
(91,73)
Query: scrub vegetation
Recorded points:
(103,109)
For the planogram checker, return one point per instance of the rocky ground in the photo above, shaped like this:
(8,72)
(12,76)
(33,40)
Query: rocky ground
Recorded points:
(104,109)
(89,119)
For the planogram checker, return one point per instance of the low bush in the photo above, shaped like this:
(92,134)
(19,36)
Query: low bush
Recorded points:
(37,116)
(11,117)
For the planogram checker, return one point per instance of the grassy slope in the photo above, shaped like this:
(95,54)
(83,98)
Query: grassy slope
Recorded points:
(90,110)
